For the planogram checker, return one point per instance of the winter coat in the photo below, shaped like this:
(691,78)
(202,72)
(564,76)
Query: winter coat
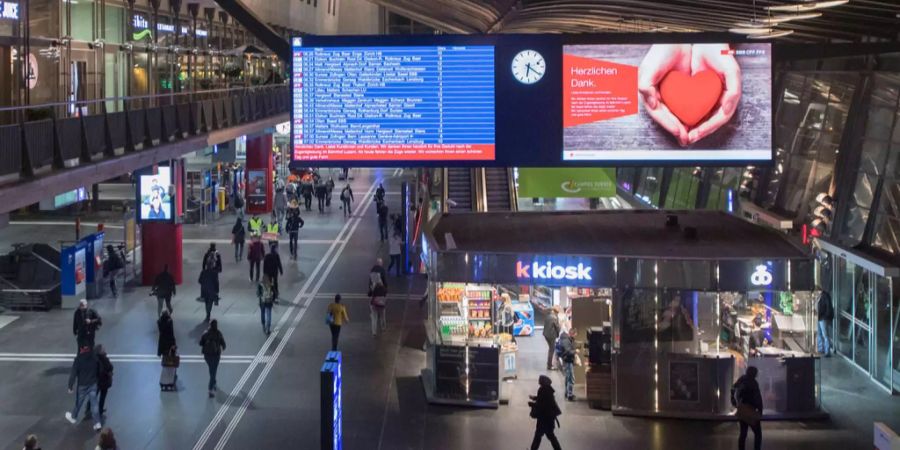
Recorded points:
(746,391)
(294,223)
(567,343)
(551,326)
(85,370)
(166,335)
(824,308)
(238,232)
(256,252)
(216,343)
(212,260)
(105,373)
(209,285)
(272,264)
(544,407)
(164,285)
(82,329)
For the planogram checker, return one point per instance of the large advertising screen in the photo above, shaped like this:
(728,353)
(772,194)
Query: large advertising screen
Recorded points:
(155,196)
(531,100)
(667,102)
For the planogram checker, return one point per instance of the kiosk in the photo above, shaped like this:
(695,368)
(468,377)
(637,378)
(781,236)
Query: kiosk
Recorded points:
(671,308)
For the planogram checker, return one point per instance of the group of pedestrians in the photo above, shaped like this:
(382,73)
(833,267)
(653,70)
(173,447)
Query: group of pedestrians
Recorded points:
(91,374)
(105,441)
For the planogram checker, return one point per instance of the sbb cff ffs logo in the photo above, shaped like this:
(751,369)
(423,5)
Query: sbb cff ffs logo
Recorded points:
(550,271)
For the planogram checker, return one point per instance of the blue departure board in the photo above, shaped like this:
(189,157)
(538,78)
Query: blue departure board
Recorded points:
(404,103)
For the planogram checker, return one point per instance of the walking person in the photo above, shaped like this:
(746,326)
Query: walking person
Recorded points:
(85,323)
(306,190)
(378,297)
(329,188)
(238,235)
(294,224)
(104,376)
(567,354)
(163,289)
(746,397)
(255,225)
(545,409)
(212,344)
(395,247)
(825,314)
(551,333)
(166,341)
(382,210)
(238,205)
(321,193)
(266,297)
(84,373)
(379,193)
(336,318)
(209,284)
(272,268)
(346,199)
(280,203)
(111,268)
(212,259)
(255,255)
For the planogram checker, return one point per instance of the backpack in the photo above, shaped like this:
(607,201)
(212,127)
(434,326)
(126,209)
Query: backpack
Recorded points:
(736,393)
(559,349)
(211,345)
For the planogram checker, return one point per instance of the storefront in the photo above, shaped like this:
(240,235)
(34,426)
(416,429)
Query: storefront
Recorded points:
(670,310)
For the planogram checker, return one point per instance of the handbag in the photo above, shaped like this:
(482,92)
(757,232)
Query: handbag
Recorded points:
(329,319)
(747,414)
(378,301)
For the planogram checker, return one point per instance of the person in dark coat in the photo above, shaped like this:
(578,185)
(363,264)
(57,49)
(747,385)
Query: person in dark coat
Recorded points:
(166,327)
(382,210)
(104,375)
(209,287)
(85,324)
(255,255)
(85,370)
(294,224)
(111,268)
(551,333)
(238,234)
(306,190)
(321,193)
(825,316)
(272,267)
(545,410)
(212,344)
(746,392)
(164,289)
(346,199)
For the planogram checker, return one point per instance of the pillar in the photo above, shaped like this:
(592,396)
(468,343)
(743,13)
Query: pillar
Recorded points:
(259,192)
(160,245)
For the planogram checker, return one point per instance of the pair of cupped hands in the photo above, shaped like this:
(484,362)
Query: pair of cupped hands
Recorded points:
(690,90)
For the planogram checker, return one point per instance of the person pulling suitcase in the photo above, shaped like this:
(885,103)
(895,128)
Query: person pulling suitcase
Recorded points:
(168,376)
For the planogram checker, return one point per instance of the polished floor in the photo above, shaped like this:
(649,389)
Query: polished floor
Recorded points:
(269,387)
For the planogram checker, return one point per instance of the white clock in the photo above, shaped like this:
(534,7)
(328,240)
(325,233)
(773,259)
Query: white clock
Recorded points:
(528,67)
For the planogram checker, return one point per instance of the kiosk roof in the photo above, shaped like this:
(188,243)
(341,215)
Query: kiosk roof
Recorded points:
(630,234)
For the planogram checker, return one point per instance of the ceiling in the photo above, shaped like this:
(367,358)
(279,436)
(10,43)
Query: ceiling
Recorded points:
(855,21)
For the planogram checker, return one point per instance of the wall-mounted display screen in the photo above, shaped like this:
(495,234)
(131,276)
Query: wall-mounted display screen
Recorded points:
(667,102)
(155,196)
(530,100)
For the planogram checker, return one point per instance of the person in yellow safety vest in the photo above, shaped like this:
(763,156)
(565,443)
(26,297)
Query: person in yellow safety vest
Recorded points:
(272,227)
(255,225)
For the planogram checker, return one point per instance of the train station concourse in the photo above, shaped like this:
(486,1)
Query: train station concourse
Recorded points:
(449,224)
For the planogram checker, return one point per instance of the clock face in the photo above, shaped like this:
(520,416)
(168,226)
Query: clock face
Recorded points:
(528,66)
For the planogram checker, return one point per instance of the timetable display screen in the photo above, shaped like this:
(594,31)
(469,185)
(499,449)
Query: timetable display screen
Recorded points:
(393,103)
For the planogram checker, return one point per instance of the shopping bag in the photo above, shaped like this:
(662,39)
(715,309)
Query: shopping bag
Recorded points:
(747,414)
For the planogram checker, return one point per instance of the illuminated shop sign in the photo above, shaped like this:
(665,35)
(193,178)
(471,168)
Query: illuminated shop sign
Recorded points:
(9,10)
(551,271)
(141,23)
(761,276)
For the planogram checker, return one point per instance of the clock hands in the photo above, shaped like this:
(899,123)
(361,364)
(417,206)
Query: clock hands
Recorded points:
(529,69)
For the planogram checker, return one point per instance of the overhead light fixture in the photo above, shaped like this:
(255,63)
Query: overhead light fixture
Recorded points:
(750,30)
(807,6)
(789,17)
(754,23)
(772,35)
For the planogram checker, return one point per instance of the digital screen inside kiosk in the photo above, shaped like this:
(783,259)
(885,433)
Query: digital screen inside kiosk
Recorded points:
(530,100)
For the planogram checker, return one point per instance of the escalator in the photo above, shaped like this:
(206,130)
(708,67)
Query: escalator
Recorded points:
(498,189)
(460,186)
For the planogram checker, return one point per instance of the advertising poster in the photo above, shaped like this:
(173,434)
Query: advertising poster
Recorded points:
(80,270)
(574,182)
(676,320)
(684,381)
(256,187)
(667,102)
(155,196)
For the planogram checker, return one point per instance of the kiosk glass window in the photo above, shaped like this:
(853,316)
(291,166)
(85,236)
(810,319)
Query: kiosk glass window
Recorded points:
(682,192)
(843,297)
(883,309)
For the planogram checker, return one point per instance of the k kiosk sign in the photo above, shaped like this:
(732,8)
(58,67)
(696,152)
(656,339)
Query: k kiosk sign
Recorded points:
(526,269)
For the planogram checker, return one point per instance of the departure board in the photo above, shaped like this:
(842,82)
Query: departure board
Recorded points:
(393,103)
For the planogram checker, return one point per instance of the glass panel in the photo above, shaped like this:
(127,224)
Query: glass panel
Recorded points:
(844,342)
(883,331)
(873,154)
(861,347)
(843,298)
(82,20)
(114,29)
(862,296)
(856,224)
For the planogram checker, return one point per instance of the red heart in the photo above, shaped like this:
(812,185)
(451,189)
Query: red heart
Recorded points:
(691,98)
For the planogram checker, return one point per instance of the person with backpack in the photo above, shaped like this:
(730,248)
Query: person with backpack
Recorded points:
(565,349)
(272,268)
(395,250)
(85,323)
(294,224)
(377,296)
(346,199)
(212,344)
(237,238)
(747,398)
(85,370)
(111,268)
(825,314)
(238,205)
(163,289)
(266,297)
(336,317)
(212,259)
(545,409)
(104,376)
(255,255)
(551,333)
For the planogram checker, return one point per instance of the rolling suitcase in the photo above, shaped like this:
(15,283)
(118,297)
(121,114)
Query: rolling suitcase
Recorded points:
(168,376)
